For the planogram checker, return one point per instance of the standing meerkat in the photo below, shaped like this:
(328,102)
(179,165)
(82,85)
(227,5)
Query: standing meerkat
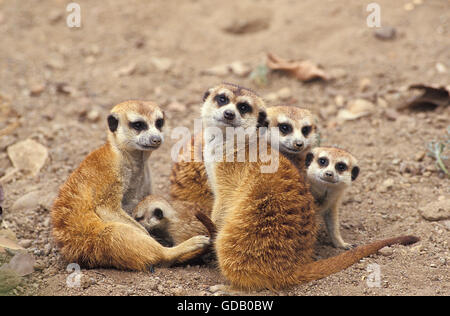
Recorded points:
(91,221)
(298,133)
(330,171)
(266,226)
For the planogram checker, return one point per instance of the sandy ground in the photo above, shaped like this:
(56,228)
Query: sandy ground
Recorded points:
(116,55)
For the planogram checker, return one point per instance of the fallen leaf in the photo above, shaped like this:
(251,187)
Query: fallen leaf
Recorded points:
(356,109)
(302,70)
(431,98)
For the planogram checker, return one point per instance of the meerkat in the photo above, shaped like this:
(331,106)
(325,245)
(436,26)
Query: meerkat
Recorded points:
(177,218)
(90,216)
(330,172)
(266,228)
(298,133)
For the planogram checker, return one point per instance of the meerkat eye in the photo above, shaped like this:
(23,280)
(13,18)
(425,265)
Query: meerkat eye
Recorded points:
(222,99)
(341,167)
(306,130)
(285,128)
(139,126)
(1,211)
(158,213)
(159,123)
(244,107)
(323,162)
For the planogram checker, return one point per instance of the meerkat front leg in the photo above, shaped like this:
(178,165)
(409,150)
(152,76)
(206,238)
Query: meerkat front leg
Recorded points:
(331,218)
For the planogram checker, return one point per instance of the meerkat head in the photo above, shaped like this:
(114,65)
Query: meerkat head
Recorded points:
(297,128)
(154,213)
(331,167)
(229,105)
(136,126)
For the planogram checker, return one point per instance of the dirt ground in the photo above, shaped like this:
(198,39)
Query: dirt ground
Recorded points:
(62,82)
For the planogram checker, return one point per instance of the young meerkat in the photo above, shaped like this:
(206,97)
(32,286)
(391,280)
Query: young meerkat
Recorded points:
(91,221)
(174,218)
(266,227)
(330,171)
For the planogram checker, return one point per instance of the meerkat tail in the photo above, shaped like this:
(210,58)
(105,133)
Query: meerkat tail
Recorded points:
(208,223)
(323,268)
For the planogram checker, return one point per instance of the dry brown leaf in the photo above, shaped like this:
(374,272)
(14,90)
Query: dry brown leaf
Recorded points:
(432,97)
(302,70)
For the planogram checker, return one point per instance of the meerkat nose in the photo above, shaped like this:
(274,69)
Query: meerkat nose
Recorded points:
(299,144)
(155,140)
(329,174)
(229,115)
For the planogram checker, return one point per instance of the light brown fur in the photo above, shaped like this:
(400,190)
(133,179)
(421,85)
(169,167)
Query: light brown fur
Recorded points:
(90,220)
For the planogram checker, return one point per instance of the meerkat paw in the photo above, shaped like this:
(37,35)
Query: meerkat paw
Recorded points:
(223,290)
(345,245)
(198,242)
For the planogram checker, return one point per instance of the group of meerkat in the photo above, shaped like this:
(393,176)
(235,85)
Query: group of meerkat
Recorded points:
(264,223)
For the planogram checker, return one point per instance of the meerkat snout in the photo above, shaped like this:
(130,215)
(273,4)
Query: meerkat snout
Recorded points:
(229,115)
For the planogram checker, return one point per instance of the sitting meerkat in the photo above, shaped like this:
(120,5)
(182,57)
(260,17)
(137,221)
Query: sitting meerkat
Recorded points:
(330,171)
(266,228)
(90,216)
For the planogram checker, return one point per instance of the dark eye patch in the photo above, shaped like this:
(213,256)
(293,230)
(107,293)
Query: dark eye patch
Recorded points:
(323,161)
(158,213)
(222,99)
(244,107)
(285,128)
(341,167)
(306,130)
(139,126)
(159,123)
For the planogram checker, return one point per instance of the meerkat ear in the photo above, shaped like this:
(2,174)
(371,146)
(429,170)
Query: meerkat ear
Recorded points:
(113,123)
(158,213)
(262,119)
(309,158)
(355,173)
(206,95)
